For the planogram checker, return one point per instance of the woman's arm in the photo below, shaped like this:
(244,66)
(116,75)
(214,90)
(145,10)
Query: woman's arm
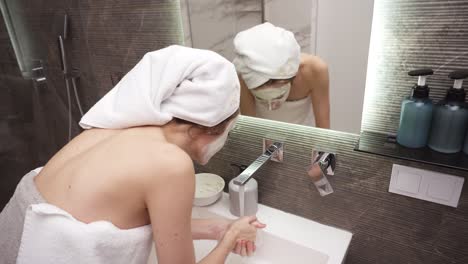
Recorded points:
(169,187)
(169,198)
(211,229)
(169,195)
(317,79)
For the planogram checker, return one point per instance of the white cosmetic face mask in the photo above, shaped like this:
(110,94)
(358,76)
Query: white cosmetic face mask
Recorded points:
(272,98)
(211,149)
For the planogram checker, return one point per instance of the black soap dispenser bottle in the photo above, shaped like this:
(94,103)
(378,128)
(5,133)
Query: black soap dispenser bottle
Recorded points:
(416,113)
(450,119)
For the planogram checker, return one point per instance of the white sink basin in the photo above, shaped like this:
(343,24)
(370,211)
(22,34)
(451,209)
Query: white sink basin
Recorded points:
(286,239)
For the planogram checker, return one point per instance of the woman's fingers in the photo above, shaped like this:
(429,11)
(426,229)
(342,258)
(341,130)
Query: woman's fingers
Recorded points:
(246,231)
(254,221)
(258,224)
(251,218)
(237,248)
(250,248)
(243,248)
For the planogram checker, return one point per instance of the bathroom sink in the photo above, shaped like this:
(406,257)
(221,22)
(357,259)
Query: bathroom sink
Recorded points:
(286,239)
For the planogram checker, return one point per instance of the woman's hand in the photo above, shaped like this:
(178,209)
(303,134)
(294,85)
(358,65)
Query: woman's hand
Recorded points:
(222,226)
(240,234)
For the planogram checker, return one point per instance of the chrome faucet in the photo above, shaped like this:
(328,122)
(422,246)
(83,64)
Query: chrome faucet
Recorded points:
(326,162)
(323,164)
(247,174)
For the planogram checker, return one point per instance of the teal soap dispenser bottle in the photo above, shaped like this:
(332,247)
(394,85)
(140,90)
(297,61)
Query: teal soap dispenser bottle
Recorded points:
(450,119)
(416,113)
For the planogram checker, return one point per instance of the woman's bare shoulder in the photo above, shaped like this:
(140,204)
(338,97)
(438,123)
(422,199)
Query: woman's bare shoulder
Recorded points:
(313,63)
(155,160)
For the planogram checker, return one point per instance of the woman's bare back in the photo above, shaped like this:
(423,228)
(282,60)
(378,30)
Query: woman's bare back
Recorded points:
(92,177)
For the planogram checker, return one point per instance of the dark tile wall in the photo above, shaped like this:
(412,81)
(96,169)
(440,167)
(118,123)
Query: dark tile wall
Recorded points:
(412,34)
(388,228)
(106,39)
(16,121)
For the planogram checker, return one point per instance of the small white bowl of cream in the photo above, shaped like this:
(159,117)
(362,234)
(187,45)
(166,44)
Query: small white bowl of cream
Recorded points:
(208,188)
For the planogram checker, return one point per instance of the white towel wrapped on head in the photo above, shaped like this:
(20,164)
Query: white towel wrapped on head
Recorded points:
(266,52)
(195,85)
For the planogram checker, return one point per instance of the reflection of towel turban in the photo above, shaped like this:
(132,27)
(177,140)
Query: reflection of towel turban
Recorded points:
(266,52)
(195,85)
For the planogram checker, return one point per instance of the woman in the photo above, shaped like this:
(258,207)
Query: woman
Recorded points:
(277,81)
(94,201)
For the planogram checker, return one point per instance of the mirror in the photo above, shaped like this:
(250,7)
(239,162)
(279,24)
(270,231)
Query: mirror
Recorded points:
(328,89)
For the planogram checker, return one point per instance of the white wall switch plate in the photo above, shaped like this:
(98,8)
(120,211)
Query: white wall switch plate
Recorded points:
(426,185)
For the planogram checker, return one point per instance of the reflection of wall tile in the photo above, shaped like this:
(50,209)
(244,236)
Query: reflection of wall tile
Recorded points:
(214,23)
(247,19)
(303,37)
(412,34)
(298,16)
(248,5)
(186,22)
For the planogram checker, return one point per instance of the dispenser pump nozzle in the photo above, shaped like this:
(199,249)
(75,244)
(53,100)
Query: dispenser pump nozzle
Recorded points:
(421,90)
(458,77)
(457,84)
(422,73)
(422,80)
(456,93)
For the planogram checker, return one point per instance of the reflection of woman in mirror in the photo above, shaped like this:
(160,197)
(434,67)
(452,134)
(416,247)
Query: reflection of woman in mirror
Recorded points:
(277,81)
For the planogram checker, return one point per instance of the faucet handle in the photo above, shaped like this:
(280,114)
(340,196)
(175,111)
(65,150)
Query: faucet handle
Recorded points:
(274,149)
(326,161)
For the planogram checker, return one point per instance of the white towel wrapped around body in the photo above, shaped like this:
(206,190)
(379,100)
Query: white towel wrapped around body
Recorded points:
(51,235)
(195,85)
(295,112)
(266,52)
(34,231)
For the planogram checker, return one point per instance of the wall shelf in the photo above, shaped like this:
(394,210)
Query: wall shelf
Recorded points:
(385,145)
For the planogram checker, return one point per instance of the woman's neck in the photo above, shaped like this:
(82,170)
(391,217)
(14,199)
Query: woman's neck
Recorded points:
(177,134)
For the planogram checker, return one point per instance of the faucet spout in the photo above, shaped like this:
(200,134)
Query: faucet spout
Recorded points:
(248,173)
